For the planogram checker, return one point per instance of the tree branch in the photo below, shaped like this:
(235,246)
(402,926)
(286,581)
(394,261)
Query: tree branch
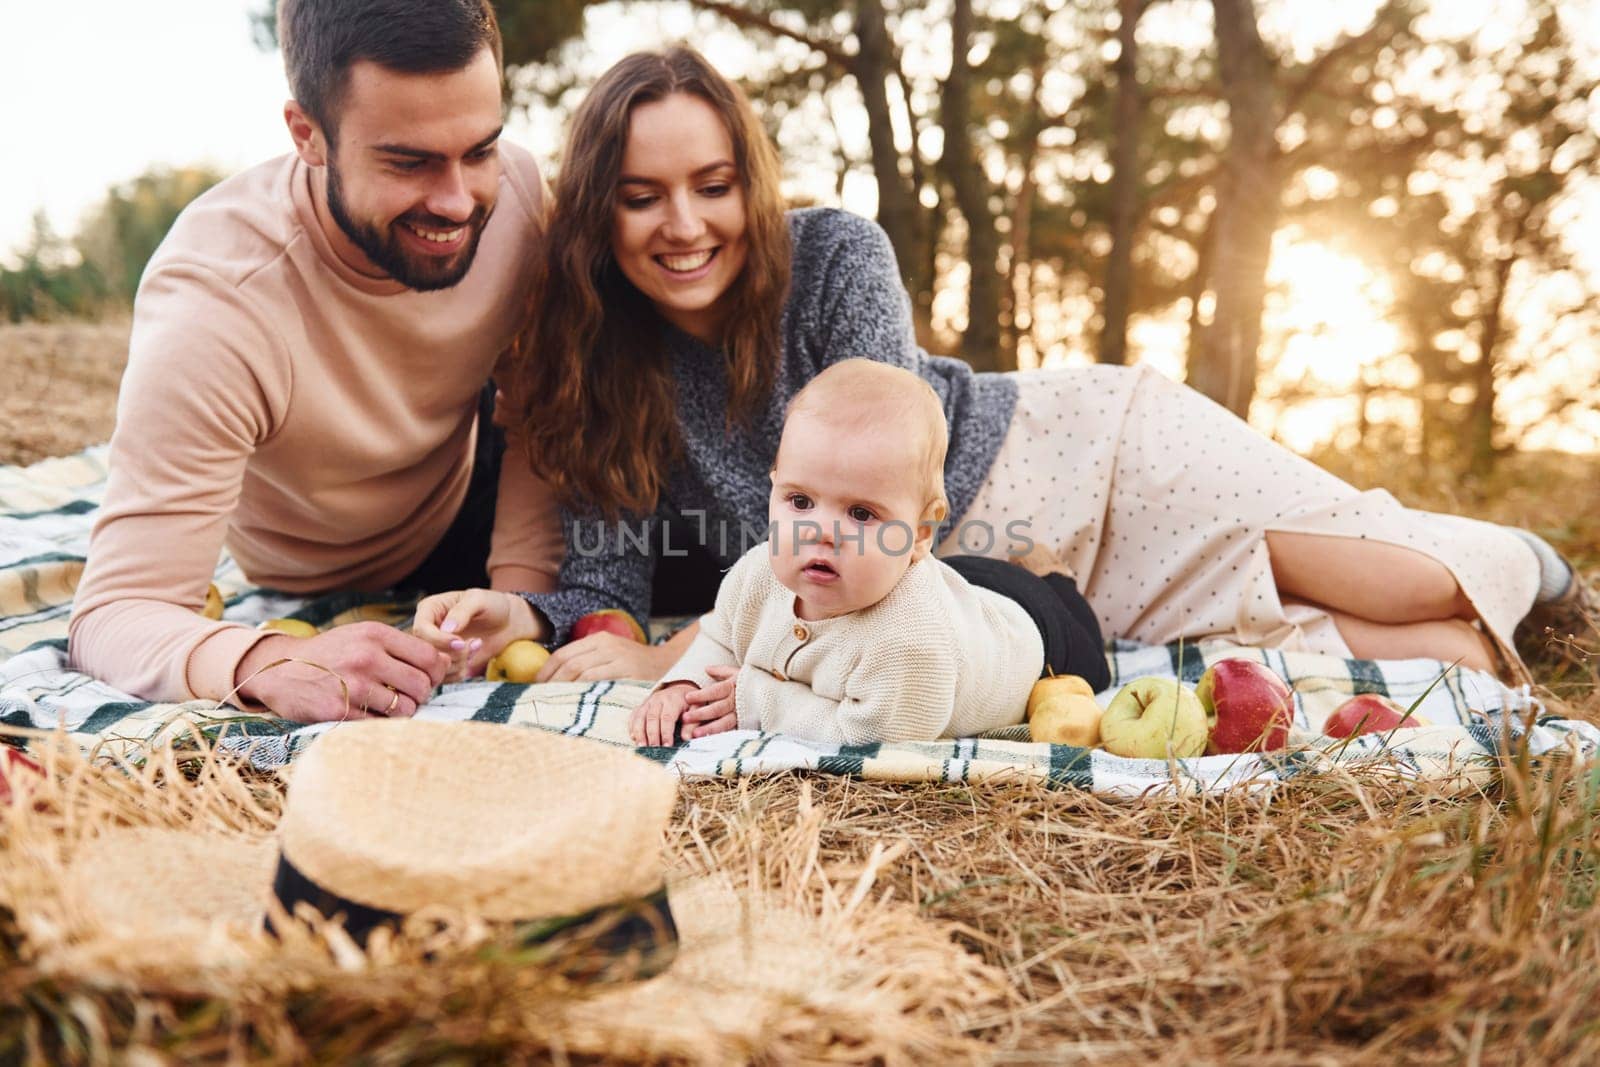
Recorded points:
(740,15)
(1319,68)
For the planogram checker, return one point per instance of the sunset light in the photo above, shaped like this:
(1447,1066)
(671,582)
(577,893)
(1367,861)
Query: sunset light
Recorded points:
(800,531)
(1327,336)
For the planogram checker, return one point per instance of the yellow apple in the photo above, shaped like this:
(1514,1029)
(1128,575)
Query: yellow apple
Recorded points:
(519,662)
(1054,687)
(1063,718)
(292,627)
(213,605)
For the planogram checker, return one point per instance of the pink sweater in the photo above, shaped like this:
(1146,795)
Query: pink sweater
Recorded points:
(317,422)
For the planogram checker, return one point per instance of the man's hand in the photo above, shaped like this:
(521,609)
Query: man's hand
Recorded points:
(654,720)
(472,625)
(384,672)
(712,709)
(605,656)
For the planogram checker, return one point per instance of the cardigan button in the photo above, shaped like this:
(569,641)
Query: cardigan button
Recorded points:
(778,675)
(801,633)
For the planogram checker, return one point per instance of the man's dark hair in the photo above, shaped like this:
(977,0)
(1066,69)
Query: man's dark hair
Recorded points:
(323,39)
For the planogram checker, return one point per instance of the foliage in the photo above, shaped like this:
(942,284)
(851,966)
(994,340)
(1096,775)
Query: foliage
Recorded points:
(1377,134)
(99,270)
(47,283)
(119,238)
(1030,216)
(530,32)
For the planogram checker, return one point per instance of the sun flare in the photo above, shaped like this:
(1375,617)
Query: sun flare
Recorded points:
(1327,337)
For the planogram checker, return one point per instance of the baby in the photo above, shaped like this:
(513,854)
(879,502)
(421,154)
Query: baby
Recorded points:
(844,627)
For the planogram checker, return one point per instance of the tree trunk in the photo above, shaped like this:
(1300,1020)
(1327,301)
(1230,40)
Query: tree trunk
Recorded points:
(1199,285)
(1019,268)
(1248,196)
(980,344)
(1480,419)
(1124,189)
(921,273)
(897,200)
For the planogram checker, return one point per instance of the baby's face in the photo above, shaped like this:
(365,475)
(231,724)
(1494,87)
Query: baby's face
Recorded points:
(846,506)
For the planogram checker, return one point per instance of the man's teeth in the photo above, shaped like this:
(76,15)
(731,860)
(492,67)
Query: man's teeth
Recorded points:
(442,237)
(692,261)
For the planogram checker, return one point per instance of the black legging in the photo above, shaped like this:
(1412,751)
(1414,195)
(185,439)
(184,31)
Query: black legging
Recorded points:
(1071,633)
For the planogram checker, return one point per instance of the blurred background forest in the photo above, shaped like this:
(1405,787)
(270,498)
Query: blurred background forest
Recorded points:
(1366,224)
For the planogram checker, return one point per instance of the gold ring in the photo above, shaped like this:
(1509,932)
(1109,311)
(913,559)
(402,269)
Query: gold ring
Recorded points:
(394,699)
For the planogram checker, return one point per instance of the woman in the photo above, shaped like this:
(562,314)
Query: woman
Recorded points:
(681,309)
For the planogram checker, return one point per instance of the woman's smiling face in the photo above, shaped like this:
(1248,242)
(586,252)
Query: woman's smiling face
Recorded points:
(679,222)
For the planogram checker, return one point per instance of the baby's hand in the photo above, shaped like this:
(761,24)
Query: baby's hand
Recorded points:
(654,720)
(471,625)
(712,709)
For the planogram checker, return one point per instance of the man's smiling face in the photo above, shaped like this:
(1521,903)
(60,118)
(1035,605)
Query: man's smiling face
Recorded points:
(413,168)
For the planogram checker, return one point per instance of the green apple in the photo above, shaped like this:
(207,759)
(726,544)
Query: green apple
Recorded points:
(1152,718)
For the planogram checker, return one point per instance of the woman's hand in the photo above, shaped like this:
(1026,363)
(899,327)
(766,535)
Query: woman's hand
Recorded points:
(600,657)
(654,720)
(472,625)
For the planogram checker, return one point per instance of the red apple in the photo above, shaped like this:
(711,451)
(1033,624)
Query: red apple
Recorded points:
(1367,714)
(609,621)
(1251,706)
(13,765)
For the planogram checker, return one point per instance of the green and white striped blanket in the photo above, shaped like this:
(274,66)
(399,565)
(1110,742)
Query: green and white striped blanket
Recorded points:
(45,516)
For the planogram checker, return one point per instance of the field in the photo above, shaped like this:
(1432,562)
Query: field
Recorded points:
(60,390)
(1339,920)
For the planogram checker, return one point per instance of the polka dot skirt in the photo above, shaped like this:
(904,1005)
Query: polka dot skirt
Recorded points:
(1158,500)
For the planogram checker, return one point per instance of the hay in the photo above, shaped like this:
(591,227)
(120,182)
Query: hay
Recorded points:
(1333,920)
(779,958)
(1339,919)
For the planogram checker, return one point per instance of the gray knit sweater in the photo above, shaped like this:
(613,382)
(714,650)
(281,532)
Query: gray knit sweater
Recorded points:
(845,300)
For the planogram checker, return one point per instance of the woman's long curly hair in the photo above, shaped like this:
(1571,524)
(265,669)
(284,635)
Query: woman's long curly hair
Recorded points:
(592,392)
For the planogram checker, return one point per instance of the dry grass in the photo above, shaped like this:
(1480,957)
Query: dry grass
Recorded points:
(1339,920)
(60,391)
(782,956)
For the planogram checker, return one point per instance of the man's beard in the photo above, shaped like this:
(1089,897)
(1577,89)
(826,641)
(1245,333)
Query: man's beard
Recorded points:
(413,270)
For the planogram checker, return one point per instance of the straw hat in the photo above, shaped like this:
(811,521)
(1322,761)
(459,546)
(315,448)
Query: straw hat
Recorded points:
(150,878)
(384,819)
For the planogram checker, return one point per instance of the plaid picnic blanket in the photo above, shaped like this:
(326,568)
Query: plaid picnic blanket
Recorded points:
(46,512)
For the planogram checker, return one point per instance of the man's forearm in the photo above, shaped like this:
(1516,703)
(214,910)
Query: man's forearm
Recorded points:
(156,650)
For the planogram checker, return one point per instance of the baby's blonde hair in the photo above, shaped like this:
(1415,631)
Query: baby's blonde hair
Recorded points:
(864,392)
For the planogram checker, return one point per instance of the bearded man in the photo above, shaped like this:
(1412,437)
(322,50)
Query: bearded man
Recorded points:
(309,379)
